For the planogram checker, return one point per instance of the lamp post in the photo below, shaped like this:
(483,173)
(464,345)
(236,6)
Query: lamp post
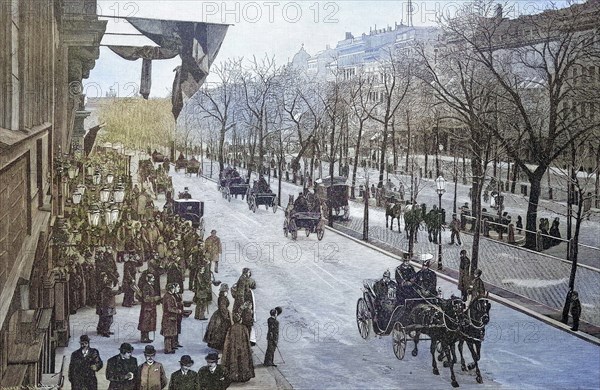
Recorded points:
(440,189)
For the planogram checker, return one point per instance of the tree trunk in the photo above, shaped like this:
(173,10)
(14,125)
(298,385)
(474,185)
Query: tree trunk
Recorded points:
(382,157)
(356,157)
(221,144)
(535,179)
(478,179)
(366,212)
(515,176)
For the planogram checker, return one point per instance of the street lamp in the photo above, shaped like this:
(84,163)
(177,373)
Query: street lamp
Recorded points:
(81,189)
(97,178)
(440,189)
(109,178)
(104,195)
(119,194)
(94,215)
(72,171)
(77,197)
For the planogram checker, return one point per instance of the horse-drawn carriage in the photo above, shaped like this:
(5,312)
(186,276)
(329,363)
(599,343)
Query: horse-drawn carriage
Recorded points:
(231,184)
(256,199)
(445,321)
(157,157)
(311,221)
(193,167)
(181,163)
(191,210)
(163,184)
(333,194)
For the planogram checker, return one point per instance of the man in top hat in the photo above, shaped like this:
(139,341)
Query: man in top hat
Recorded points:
(129,274)
(426,279)
(84,364)
(151,373)
(184,378)
(213,376)
(149,299)
(122,369)
(106,306)
(272,336)
(169,318)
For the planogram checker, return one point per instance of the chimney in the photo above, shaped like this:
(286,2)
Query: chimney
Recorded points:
(327,47)
(349,35)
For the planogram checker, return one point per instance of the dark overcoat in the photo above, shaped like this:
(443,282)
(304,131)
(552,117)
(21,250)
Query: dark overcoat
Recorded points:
(147,320)
(179,381)
(116,372)
(82,370)
(169,317)
(218,380)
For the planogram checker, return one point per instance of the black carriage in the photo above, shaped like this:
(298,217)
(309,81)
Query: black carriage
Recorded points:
(388,317)
(333,194)
(311,222)
(256,199)
(190,210)
(192,167)
(232,186)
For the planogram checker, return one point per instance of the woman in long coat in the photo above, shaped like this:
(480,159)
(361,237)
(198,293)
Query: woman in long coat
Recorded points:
(237,353)
(220,321)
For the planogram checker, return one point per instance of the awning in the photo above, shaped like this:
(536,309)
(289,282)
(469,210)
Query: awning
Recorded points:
(196,43)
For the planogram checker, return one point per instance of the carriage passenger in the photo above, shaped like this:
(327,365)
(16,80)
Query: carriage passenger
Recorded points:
(263,186)
(385,295)
(300,204)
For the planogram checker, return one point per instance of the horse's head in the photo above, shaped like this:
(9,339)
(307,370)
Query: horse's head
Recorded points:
(479,311)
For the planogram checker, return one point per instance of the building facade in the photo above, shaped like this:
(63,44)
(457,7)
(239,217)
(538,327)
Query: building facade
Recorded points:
(46,48)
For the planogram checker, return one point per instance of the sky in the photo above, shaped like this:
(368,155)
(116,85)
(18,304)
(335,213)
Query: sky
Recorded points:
(274,28)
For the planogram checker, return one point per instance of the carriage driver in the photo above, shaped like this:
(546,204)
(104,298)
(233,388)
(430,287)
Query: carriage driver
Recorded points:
(300,204)
(405,278)
(263,186)
(426,279)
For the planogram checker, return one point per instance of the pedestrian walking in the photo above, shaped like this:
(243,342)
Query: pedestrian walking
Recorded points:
(169,318)
(106,307)
(455,231)
(202,290)
(519,224)
(213,376)
(220,321)
(464,275)
(213,249)
(237,353)
(184,378)
(179,302)
(84,364)
(272,336)
(147,319)
(241,293)
(151,373)
(122,369)
(477,287)
(575,310)
(129,276)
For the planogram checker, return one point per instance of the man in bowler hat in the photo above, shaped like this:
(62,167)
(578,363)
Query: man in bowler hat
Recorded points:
(151,373)
(272,336)
(184,378)
(213,376)
(85,362)
(121,369)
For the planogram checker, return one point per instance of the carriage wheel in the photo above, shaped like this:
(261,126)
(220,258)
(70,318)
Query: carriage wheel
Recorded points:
(294,234)
(363,318)
(320,234)
(399,340)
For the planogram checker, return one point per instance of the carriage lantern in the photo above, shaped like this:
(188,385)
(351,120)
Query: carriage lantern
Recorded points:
(104,195)
(97,178)
(119,194)
(77,197)
(94,215)
(81,189)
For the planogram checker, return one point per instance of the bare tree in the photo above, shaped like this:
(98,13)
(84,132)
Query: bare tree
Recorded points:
(544,78)
(215,101)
